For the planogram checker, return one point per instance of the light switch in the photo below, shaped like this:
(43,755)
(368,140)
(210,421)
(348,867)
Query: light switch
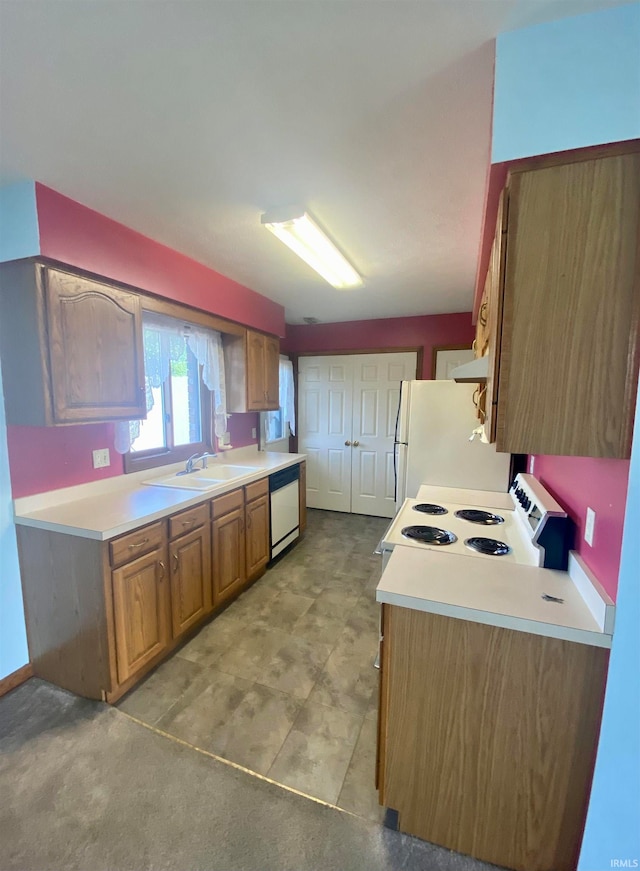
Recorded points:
(254,432)
(532,464)
(101,458)
(589,526)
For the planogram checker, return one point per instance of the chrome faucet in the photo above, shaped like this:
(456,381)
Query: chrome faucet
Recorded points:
(194,458)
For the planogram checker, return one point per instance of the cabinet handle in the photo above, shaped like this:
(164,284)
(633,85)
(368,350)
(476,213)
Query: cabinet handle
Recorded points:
(163,570)
(176,561)
(188,522)
(347,443)
(482,315)
(139,544)
(356,444)
(249,521)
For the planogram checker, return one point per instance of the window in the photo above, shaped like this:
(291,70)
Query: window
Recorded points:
(184,379)
(280,424)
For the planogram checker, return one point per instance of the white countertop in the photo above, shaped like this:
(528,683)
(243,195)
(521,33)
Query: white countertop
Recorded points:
(104,509)
(499,594)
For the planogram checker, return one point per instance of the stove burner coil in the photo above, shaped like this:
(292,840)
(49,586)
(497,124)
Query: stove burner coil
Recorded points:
(429,535)
(475,515)
(488,546)
(430,508)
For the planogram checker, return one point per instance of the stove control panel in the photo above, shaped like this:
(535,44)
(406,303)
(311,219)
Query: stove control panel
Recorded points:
(545,521)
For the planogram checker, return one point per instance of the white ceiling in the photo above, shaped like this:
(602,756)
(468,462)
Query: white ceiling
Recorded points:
(186,119)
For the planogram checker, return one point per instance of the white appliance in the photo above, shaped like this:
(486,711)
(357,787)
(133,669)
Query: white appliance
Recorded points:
(432,444)
(525,526)
(284,496)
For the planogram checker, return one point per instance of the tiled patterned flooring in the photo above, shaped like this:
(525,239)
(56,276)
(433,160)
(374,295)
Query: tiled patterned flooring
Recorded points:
(283,681)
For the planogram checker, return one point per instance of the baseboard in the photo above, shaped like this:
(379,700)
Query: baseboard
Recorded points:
(13,680)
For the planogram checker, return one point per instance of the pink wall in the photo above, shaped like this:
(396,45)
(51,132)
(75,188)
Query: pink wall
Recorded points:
(581,482)
(76,235)
(48,458)
(424,331)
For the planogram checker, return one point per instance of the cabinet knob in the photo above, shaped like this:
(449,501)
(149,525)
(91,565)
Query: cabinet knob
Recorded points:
(356,444)
(347,443)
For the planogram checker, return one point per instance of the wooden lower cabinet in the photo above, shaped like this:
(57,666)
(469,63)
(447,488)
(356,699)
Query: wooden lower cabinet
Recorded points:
(302,491)
(487,737)
(191,587)
(229,566)
(141,610)
(257,536)
(101,614)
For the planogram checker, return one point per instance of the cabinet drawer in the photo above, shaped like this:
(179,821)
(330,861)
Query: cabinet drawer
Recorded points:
(134,544)
(187,520)
(257,489)
(229,502)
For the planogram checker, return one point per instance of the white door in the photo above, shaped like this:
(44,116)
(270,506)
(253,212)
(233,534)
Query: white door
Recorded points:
(347,414)
(325,388)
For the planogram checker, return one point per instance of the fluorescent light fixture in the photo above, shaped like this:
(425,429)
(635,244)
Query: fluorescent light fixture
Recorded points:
(299,232)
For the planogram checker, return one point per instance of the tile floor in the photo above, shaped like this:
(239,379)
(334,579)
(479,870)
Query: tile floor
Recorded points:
(283,681)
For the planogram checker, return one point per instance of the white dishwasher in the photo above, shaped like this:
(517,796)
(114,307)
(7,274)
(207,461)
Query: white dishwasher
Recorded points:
(285,508)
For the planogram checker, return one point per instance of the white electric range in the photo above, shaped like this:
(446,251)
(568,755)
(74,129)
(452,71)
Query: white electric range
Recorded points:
(529,581)
(525,526)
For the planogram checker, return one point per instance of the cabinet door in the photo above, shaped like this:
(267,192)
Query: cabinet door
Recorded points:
(256,375)
(302,508)
(141,612)
(569,348)
(257,536)
(494,289)
(272,374)
(481,340)
(228,549)
(191,590)
(95,350)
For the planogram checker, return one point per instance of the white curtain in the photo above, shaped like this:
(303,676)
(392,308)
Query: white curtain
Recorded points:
(164,341)
(287,399)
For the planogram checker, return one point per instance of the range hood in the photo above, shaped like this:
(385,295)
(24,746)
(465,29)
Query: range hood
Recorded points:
(473,372)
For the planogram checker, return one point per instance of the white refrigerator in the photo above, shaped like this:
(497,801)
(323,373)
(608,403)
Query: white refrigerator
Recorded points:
(434,422)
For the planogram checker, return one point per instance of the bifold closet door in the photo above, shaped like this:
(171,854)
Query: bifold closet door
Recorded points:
(325,390)
(347,405)
(376,393)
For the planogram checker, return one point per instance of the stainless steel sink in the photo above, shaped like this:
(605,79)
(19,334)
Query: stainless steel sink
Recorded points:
(203,479)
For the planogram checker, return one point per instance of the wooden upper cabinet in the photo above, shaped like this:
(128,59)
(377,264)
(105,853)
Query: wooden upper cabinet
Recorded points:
(71,348)
(95,349)
(251,365)
(494,290)
(568,361)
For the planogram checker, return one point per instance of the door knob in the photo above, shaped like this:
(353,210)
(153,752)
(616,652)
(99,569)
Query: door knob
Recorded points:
(347,443)
(355,444)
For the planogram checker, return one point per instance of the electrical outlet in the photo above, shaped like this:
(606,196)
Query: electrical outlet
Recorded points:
(589,526)
(254,433)
(101,458)
(532,464)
